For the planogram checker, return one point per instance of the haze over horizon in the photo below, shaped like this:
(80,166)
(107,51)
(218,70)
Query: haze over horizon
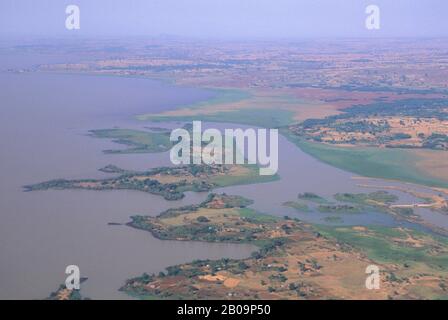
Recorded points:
(225,18)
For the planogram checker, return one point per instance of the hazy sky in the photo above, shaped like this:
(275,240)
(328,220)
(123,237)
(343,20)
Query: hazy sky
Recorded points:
(225,18)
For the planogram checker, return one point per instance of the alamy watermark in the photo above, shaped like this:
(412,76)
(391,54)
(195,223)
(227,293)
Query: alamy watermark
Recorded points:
(236,146)
(373,278)
(73,20)
(373,17)
(73,281)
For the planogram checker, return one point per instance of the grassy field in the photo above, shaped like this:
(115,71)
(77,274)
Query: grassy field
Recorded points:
(266,118)
(388,245)
(396,164)
(299,206)
(137,141)
(265,108)
(243,174)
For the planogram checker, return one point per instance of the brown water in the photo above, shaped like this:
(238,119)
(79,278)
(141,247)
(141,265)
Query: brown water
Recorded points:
(43,124)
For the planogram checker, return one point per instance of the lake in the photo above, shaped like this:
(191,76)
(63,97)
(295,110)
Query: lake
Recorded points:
(44,120)
(43,124)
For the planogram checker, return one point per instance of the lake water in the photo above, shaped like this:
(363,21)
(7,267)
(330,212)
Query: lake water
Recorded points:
(44,119)
(43,124)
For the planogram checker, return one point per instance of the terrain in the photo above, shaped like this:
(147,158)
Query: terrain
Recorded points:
(295,260)
(377,109)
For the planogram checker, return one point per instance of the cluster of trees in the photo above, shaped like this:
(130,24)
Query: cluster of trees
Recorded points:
(436,141)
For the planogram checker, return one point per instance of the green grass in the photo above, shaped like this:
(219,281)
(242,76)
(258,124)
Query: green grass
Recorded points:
(396,164)
(266,118)
(136,141)
(252,177)
(379,247)
(363,198)
(299,206)
(254,215)
(309,196)
(335,208)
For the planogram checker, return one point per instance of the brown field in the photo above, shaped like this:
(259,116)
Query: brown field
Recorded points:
(433,162)
(342,98)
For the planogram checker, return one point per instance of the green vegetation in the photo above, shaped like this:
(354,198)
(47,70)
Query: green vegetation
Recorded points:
(309,196)
(136,141)
(372,198)
(423,108)
(255,216)
(436,141)
(266,118)
(225,201)
(299,206)
(378,244)
(64,294)
(369,132)
(405,212)
(67,294)
(110,168)
(338,208)
(397,164)
(220,217)
(251,176)
(368,157)
(168,182)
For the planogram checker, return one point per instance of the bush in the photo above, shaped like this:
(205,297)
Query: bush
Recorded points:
(202,219)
